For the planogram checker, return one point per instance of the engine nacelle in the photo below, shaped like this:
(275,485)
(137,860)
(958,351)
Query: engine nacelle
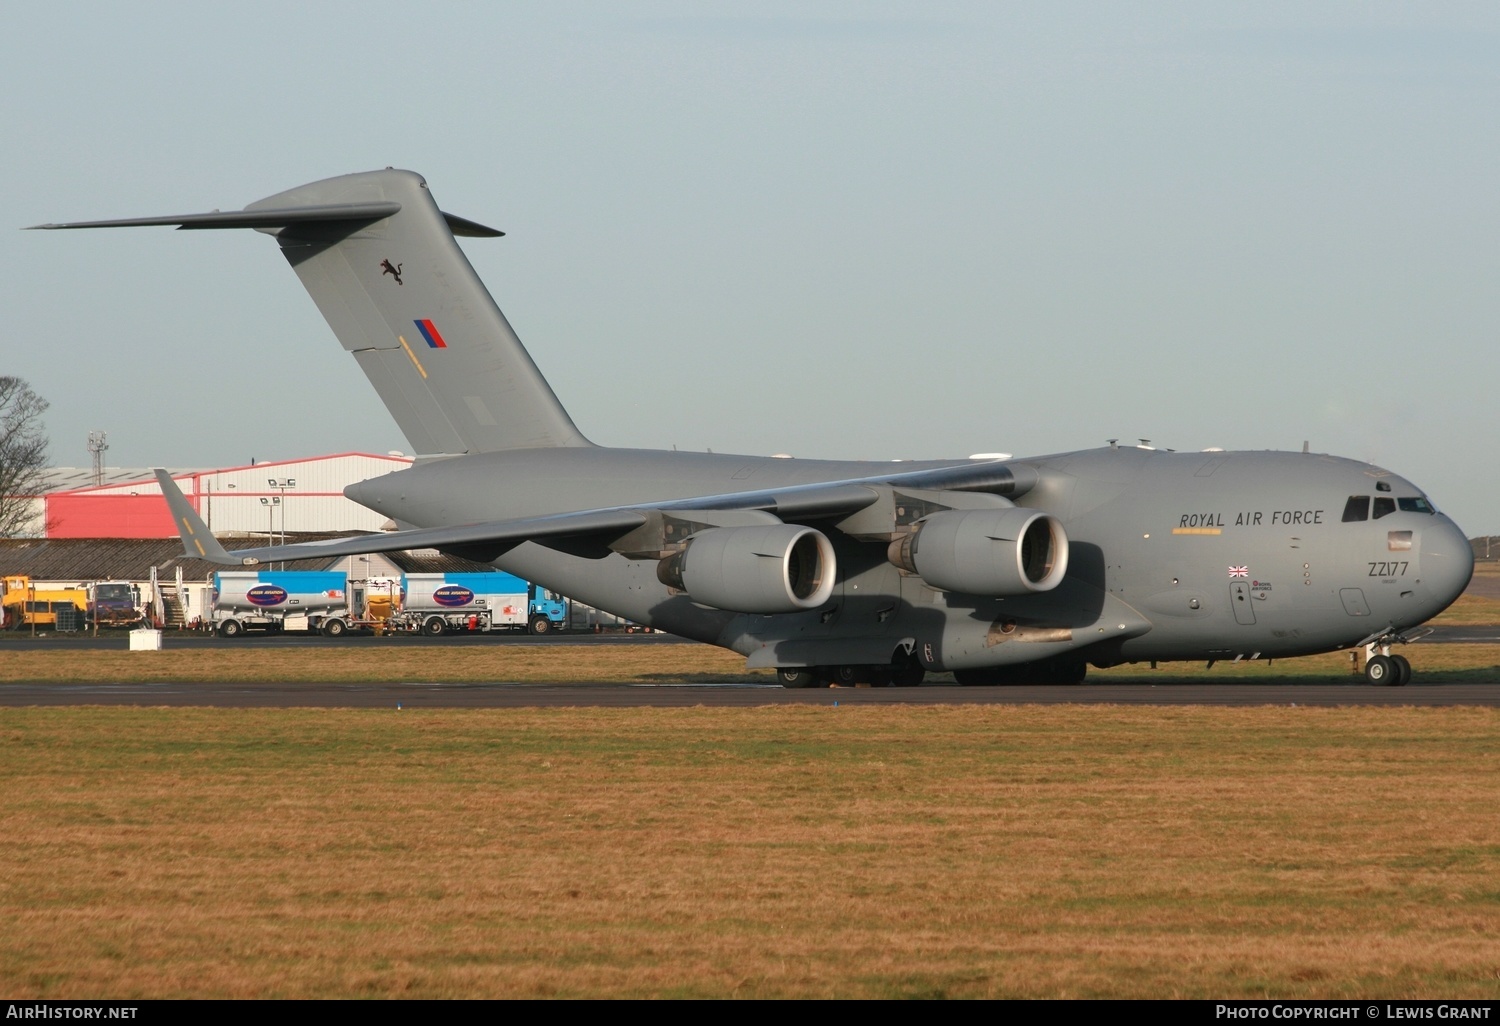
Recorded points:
(993,552)
(776,568)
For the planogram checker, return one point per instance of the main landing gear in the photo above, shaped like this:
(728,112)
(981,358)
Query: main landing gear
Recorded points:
(1047,671)
(903,672)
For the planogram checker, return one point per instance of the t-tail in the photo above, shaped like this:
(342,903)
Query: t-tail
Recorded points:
(381,262)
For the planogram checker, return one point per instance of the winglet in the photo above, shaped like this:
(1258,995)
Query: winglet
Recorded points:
(197,542)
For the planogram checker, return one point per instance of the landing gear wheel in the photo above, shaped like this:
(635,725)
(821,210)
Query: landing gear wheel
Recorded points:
(1067,672)
(231,629)
(334,628)
(435,626)
(1381,671)
(845,676)
(540,625)
(1403,671)
(908,675)
(797,677)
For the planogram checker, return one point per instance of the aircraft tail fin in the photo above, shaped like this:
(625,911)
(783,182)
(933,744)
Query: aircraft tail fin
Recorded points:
(197,541)
(380,260)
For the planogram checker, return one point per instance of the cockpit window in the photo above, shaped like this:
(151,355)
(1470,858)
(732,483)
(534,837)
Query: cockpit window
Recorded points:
(1417,505)
(1384,507)
(1382,486)
(1357,508)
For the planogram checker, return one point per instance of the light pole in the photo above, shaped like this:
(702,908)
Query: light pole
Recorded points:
(271,504)
(281,484)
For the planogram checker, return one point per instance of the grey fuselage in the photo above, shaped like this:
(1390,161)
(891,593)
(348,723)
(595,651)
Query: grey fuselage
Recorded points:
(1210,555)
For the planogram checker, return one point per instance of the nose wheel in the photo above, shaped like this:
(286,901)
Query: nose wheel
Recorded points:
(1388,671)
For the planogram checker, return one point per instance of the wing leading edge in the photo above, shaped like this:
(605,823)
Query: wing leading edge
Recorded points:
(796,502)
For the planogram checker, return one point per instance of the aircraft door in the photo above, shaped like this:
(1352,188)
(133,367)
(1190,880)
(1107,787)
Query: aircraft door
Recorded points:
(1239,599)
(1354,601)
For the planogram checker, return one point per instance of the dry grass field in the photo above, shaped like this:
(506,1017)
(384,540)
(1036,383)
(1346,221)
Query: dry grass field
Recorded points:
(793,851)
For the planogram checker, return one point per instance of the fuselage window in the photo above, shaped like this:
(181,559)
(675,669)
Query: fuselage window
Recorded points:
(1415,506)
(1382,486)
(1384,507)
(1357,508)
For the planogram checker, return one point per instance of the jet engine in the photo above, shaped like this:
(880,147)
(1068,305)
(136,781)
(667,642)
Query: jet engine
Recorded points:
(991,552)
(776,568)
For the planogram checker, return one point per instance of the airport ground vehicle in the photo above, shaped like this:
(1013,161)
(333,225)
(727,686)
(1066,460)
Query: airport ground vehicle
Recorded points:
(330,602)
(272,600)
(438,603)
(114,604)
(58,608)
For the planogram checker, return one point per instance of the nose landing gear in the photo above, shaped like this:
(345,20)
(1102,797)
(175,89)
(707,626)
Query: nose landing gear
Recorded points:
(1389,671)
(1384,669)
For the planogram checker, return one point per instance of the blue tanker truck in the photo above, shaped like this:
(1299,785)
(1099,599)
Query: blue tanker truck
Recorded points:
(333,604)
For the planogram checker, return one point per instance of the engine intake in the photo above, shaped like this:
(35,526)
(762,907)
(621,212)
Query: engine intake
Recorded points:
(992,552)
(778,568)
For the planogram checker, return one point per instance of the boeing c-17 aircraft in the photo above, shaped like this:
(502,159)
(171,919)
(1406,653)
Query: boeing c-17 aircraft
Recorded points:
(998,570)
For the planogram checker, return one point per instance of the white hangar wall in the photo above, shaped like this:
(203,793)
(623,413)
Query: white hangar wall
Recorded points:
(281,497)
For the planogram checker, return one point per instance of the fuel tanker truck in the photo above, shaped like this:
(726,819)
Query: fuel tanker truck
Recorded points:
(439,603)
(307,600)
(284,600)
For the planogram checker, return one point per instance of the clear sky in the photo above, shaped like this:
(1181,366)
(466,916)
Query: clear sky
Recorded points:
(877,230)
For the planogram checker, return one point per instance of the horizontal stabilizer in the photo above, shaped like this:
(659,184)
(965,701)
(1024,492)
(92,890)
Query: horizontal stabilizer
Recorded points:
(280,218)
(272,218)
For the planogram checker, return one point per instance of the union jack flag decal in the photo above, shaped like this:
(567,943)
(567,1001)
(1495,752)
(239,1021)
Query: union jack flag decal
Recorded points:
(1239,571)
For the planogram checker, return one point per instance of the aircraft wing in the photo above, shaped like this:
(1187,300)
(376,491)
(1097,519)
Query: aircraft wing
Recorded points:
(198,543)
(809,501)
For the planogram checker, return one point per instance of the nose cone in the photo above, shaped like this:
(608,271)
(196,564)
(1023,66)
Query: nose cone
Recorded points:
(1447,563)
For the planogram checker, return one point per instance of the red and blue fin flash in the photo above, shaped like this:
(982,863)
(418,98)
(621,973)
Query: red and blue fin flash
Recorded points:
(430,333)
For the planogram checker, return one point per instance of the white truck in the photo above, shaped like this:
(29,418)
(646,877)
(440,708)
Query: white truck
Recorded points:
(283,600)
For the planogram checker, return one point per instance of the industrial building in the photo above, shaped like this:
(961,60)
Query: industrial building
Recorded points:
(113,525)
(261,500)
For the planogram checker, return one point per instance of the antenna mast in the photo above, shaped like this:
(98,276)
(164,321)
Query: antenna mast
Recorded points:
(97,445)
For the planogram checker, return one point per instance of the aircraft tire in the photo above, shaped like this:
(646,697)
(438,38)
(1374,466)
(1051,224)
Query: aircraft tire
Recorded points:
(845,676)
(797,677)
(1067,672)
(231,629)
(1403,671)
(435,626)
(335,628)
(908,676)
(1381,671)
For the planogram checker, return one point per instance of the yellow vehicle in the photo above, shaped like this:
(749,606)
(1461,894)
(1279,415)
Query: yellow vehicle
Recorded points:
(27,606)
